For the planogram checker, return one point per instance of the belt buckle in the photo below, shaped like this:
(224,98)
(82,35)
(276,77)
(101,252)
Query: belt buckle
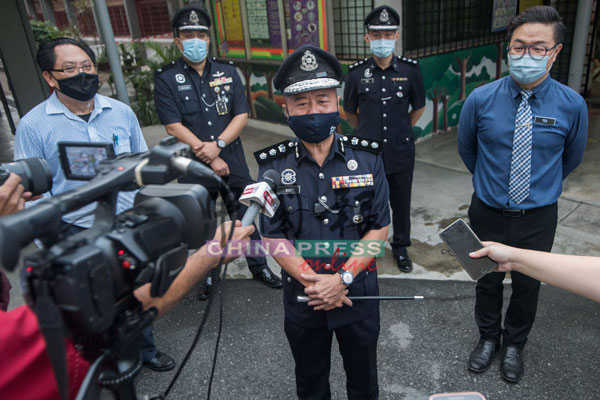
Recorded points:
(513,213)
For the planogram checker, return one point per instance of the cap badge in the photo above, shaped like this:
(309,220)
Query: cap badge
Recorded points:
(194,17)
(309,62)
(384,16)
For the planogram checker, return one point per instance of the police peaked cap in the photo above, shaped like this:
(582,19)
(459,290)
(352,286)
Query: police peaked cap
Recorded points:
(191,18)
(308,68)
(383,18)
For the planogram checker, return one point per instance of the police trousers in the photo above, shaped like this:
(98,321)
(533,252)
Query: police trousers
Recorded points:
(311,348)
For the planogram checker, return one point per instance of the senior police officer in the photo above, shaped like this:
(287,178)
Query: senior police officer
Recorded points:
(377,96)
(201,101)
(333,187)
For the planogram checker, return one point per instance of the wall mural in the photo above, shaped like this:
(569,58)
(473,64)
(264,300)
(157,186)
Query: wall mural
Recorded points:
(448,80)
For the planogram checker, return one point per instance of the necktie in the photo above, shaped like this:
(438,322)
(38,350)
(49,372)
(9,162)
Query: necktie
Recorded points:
(520,164)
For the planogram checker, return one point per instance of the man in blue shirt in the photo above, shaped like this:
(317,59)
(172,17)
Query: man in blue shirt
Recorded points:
(333,188)
(520,136)
(75,112)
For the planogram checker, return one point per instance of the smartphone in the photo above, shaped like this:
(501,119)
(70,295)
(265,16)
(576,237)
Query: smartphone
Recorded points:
(461,240)
(457,396)
(79,159)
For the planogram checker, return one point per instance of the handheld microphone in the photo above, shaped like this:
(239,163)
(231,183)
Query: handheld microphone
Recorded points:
(260,197)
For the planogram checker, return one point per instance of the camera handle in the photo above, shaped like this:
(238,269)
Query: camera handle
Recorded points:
(117,367)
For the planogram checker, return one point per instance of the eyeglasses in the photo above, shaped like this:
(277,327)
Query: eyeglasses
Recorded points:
(536,52)
(87,68)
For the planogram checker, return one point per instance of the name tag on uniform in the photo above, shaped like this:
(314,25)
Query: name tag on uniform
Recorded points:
(352,181)
(545,120)
(295,189)
(184,87)
(366,81)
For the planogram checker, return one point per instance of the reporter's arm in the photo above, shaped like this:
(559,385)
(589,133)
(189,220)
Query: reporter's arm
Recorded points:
(577,274)
(196,268)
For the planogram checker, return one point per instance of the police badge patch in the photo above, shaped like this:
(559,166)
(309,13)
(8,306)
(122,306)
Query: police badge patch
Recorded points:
(180,78)
(288,176)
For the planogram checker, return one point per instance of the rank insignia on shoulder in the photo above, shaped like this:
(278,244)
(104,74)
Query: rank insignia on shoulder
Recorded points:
(274,151)
(351,181)
(408,60)
(356,142)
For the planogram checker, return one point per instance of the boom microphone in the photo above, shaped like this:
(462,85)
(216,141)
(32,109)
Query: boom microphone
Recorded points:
(260,197)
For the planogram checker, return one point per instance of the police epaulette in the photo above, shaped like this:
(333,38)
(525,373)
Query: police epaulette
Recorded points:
(360,143)
(165,67)
(274,151)
(356,64)
(222,61)
(408,60)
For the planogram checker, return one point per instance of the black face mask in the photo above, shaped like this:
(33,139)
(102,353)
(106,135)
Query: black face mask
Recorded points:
(314,128)
(82,87)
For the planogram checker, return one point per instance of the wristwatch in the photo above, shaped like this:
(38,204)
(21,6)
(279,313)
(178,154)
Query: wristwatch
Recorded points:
(347,277)
(221,143)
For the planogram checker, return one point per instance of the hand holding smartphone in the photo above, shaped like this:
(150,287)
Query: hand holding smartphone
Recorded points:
(461,240)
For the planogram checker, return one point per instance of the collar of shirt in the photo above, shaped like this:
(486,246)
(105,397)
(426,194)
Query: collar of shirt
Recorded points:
(335,149)
(393,64)
(188,68)
(55,106)
(539,90)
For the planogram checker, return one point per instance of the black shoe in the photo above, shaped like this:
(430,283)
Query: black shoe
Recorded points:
(161,362)
(404,264)
(268,278)
(204,290)
(511,367)
(483,354)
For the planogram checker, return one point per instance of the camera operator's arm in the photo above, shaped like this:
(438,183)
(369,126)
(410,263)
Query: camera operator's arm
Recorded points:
(196,267)
(577,274)
(12,197)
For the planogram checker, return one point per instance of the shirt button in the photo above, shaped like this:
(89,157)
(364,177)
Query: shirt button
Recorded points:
(212,138)
(407,139)
(321,175)
(383,77)
(383,89)
(290,208)
(206,109)
(289,280)
(356,203)
(203,94)
(367,89)
(385,128)
(187,98)
(327,266)
(324,199)
(384,115)
(325,221)
(384,140)
(209,123)
(384,102)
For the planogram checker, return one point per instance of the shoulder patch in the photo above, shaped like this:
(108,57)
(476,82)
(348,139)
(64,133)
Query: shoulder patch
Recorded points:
(165,67)
(360,143)
(408,60)
(274,151)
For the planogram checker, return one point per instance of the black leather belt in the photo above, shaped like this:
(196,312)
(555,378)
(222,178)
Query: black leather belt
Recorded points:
(515,213)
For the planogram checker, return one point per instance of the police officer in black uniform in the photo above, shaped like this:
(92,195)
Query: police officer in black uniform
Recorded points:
(333,188)
(201,101)
(381,88)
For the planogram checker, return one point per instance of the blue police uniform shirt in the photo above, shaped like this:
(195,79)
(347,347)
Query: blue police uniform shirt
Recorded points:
(303,183)
(383,98)
(182,95)
(485,139)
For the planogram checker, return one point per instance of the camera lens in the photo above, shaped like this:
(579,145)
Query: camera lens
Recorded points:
(35,174)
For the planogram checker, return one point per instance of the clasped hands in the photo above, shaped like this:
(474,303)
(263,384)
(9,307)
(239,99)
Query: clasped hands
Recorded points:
(327,292)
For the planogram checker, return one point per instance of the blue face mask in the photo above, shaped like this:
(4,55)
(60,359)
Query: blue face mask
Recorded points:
(314,128)
(382,47)
(526,69)
(194,49)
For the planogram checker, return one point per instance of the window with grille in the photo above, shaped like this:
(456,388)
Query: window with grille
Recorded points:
(153,16)
(348,25)
(118,20)
(62,22)
(438,26)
